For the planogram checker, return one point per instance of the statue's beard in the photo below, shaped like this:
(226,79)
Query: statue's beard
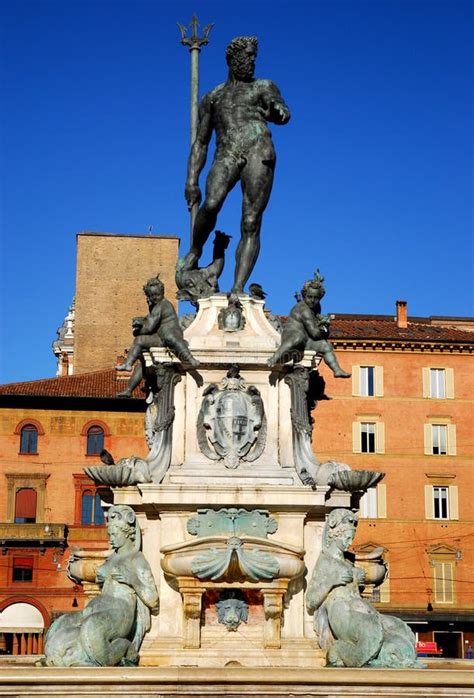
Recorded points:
(242,67)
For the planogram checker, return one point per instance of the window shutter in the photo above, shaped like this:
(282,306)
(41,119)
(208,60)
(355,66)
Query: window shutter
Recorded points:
(426,382)
(453,502)
(382,501)
(385,590)
(378,381)
(428,440)
(356,437)
(451,439)
(356,381)
(380,437)
(449,382)
(429,504)
(25,503)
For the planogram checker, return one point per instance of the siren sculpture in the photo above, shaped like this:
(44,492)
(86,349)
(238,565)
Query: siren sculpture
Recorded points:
(110,630)
(348,627)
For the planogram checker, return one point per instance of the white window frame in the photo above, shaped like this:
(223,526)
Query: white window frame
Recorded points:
(452,502)
(367,376)
(439,439)
(360,382)
(438,500)
(368,428)
(438,383)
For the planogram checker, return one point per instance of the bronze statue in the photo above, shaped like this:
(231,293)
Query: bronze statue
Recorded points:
(306,328)
(160,328)
(110,630)
(348,627)
(238,111)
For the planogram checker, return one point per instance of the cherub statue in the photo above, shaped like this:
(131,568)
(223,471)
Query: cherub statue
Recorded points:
(348,627)
(160,328)
(110,630)
(306,328)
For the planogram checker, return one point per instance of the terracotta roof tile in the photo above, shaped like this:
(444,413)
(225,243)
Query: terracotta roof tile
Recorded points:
(386,328)
(99,384)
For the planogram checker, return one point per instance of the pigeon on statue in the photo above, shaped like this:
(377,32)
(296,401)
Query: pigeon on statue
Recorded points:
(257,292)
(106,457)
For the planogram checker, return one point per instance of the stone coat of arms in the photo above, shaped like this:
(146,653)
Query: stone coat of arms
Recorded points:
(231,424)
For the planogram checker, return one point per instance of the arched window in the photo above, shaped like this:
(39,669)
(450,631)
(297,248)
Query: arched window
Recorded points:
(92,513)
(25,505)
(29,439)
(95,440)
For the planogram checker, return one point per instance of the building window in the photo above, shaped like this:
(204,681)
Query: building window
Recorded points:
(367,437)
(25,505)
(22,569)
(92,513)
(95,441)
(439,439)
(443,581)
(367,381)
(373,503)
(29,439)
(440,502)
(438,383)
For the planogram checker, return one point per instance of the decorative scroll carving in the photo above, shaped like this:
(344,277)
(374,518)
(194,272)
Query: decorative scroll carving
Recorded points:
(159,417)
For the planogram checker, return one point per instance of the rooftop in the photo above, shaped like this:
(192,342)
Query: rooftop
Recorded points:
(383,328)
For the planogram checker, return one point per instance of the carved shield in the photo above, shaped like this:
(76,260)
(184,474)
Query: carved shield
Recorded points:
(231,423)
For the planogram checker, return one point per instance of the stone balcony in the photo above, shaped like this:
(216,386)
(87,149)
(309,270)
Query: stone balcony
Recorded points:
(37,535)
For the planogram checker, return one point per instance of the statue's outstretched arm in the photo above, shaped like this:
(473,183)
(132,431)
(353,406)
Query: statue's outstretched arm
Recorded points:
(198,155)
(276,109)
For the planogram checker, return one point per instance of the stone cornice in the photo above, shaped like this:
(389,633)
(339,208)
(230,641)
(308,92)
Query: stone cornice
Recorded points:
(402,346)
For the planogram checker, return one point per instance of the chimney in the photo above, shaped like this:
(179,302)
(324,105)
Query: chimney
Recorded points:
(402,319)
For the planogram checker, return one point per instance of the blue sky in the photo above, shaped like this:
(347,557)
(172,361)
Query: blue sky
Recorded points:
(373,179)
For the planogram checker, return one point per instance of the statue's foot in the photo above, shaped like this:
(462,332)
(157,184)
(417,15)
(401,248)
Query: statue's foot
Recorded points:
(125,393)
(339,373)
(124,367)
(191,361)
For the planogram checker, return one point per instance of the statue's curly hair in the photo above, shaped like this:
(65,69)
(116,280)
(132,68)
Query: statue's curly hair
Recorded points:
(239,44)
(316,283)
(336,519)
(154,281)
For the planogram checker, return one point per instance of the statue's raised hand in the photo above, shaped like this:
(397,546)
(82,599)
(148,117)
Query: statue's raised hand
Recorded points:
(192,194)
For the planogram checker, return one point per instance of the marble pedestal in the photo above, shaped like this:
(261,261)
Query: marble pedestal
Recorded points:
(186,632)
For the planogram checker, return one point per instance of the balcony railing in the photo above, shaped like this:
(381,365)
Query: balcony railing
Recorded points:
(40,535)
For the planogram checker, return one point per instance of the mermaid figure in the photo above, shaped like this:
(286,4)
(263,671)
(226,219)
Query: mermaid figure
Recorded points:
(352,632)
(110,630)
